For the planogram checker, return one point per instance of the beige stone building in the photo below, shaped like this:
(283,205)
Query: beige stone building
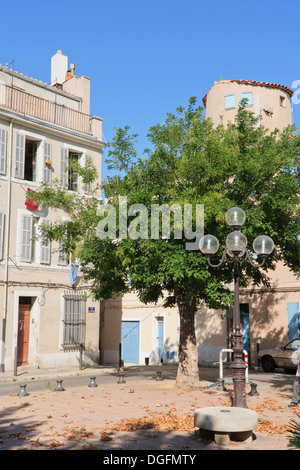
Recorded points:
(141,333)
(45,317)
(269,101)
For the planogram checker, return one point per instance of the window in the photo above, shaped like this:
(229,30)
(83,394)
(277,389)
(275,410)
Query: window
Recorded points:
(26,238)
(31,148)
(45,254)
(26,158)
(2,217)
(68,174)
(30,250)
(74,320)
(230,101)
(63,258)
(88,164)
(3,140)
(247,95)
(73,176)
(282,100)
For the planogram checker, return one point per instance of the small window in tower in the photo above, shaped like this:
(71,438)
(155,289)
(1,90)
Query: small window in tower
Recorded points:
(247,97)
(282,100)
(230,101)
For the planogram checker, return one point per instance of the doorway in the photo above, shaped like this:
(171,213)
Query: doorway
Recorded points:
(245,322)
(130,341)
(25,304)
(160,337)
(245,328)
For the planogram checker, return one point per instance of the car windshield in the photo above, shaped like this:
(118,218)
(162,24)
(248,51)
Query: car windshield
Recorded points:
(295,344)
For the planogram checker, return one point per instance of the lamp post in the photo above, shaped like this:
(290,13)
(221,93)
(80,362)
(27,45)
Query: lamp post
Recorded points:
(236,249)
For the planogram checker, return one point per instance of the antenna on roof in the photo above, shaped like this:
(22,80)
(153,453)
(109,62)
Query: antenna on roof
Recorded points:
(12,62)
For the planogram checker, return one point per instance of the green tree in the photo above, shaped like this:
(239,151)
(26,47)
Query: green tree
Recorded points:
(190,163)
(121,151)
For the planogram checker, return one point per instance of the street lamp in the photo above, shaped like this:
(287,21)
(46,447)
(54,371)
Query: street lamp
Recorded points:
(236,248)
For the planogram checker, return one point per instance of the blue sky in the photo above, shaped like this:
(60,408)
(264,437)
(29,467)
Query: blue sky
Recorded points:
(146,57)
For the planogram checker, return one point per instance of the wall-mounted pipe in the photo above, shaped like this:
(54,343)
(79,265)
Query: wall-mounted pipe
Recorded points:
(7,235)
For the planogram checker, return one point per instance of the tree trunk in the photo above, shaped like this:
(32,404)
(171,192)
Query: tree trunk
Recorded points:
(188,371)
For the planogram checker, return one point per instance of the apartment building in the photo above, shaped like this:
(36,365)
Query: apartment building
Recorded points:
(46,319)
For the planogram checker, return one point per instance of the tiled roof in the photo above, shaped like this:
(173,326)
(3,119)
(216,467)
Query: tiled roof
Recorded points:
(253,83)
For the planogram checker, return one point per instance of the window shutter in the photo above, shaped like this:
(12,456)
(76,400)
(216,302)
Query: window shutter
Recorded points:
(46,248)
(3,140)
(47,160)
(26,238)
(87,186)
(62,257)
(20,155)
(1,233)
(64,162)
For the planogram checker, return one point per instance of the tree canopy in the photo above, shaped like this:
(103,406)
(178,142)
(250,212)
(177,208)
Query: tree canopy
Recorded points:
(190,164)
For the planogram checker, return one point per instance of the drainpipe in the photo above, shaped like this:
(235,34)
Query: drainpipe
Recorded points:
(7,233)
(100,333)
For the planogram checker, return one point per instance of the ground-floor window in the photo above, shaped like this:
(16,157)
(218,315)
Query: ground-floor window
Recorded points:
(73,321)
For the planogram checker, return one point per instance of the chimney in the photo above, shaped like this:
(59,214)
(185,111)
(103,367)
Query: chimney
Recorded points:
(59,67)
(70,73)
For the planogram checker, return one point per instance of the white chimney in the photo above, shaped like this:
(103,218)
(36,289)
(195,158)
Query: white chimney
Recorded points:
(59,67)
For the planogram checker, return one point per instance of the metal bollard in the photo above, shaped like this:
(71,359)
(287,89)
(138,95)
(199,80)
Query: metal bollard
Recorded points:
(253,392)
(23,392)
(93,382)
(16,362)
(158,375)
(221,385)
(121,378)
(59,387)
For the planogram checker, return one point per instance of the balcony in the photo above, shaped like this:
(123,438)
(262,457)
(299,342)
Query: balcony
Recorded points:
(26,104)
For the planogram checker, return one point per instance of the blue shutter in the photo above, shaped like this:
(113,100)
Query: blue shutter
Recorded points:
(248,96)
(293,309)
(230,101)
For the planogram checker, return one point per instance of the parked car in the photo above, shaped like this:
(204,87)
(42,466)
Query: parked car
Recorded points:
(286,357)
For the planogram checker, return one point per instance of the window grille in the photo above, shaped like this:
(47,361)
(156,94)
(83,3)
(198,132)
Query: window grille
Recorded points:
(74,320)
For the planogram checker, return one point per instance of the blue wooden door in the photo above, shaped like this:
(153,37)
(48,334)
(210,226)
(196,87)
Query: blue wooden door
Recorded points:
(130,341)
(293,309)
(244,312)
(160,340)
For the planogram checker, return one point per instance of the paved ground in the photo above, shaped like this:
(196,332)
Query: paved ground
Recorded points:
(146,414)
